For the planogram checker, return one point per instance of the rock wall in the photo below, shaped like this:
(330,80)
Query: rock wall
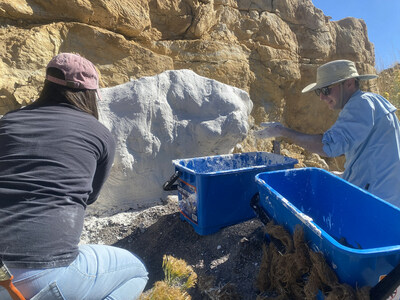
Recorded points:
(389,82)
(268,48)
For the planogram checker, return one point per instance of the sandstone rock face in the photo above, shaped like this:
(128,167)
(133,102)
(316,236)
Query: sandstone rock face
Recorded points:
(270,49)
(389,81)
(176,114)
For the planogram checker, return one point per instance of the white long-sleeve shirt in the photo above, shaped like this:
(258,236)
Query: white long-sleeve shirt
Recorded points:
(367,132)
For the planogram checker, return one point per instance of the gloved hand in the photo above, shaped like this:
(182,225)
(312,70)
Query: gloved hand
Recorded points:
(271,130)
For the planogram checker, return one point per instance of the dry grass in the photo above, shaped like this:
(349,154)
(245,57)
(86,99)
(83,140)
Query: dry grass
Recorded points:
(179,277)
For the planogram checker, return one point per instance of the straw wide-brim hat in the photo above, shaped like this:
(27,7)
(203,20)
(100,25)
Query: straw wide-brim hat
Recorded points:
(335,72)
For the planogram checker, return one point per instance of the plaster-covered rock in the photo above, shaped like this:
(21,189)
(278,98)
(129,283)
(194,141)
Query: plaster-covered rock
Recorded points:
(175,114)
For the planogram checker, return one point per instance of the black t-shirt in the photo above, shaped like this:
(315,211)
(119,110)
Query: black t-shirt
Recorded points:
(53,162)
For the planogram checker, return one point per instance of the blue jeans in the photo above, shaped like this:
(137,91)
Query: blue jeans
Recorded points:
(99,272)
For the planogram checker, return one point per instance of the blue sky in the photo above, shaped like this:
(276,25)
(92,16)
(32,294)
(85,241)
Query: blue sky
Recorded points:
(383,24)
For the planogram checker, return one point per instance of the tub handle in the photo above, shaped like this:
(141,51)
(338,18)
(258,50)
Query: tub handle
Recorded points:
(261,214)
(169,185)
(384,288)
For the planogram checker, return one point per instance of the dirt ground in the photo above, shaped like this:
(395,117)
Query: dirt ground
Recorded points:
(226,262)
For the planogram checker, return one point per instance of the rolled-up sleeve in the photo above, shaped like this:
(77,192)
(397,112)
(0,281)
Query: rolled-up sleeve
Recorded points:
(352,127)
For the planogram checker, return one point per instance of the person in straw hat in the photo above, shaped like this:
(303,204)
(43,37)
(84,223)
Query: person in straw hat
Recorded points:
(54,159)
(367,131)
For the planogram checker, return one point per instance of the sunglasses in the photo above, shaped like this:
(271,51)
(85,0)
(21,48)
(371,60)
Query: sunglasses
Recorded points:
(324,90)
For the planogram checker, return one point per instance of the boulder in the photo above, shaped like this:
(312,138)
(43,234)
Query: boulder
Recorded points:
(172,115)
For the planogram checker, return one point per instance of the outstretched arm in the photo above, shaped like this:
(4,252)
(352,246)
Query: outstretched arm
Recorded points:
(310,142)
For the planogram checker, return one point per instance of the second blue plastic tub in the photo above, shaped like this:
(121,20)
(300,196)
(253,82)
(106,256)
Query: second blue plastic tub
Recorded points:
(358,233)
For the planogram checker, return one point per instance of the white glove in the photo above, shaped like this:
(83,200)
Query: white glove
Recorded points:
(271,130)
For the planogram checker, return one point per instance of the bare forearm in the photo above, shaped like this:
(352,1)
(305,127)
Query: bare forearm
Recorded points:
(310,142)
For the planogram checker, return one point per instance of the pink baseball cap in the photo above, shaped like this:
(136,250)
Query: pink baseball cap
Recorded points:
(79,72)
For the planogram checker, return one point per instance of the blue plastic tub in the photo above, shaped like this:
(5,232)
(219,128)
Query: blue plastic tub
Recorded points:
(215,191)
(332,210)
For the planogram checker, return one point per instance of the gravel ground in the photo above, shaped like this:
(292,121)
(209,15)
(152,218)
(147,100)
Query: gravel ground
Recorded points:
(226,262)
